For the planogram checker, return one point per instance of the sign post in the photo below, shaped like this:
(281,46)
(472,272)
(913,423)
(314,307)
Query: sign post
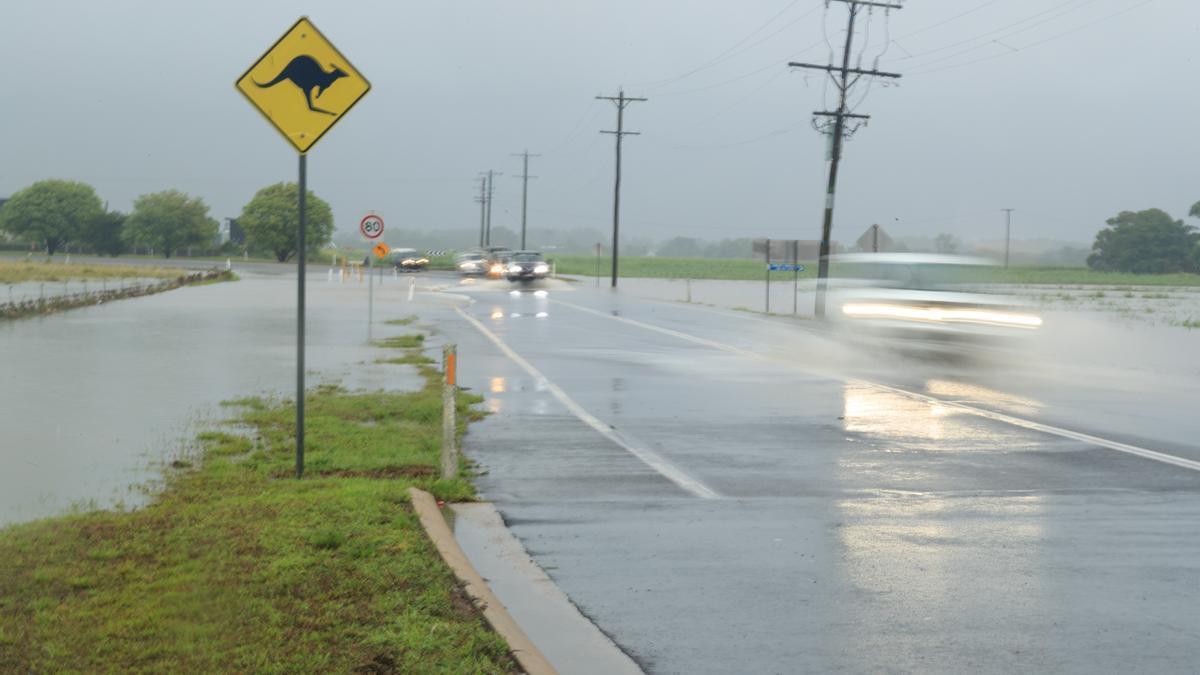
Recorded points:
(285,84)
(371,227)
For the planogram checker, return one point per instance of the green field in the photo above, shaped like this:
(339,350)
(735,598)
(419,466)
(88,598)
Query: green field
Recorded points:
(753,270)
(238,567)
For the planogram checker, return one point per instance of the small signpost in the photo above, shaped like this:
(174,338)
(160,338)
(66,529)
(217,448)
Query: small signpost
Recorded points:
(303,86)
(371,227)
(784,250)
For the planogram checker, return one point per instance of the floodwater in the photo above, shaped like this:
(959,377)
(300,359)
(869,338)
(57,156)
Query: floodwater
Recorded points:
(97,399)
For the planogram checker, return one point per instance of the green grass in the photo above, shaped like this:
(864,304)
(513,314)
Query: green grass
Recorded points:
(673,268)
(15,272)
(238,567)
(410,341)
(755,270)
(405,321)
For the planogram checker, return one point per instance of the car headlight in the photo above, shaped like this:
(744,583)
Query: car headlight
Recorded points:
(514,269)
(497,269)
(423,261)
(942,314)
(541,269)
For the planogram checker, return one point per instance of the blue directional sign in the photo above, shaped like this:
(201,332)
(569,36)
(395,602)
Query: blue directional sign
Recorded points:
(781,267)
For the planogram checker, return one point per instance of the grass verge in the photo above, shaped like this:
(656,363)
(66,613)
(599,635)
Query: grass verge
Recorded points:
(237,566)
(15,272)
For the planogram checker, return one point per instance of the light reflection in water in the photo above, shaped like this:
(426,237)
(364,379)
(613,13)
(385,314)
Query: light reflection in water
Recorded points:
(894,417)
(922,548)
(976,394)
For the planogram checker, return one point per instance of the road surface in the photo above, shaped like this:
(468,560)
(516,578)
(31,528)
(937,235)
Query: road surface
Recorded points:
(723,492)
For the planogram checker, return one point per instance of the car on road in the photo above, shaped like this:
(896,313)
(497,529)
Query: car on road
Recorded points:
(925,302)
(409,260)
(526,266)
(497,260)
(471,264)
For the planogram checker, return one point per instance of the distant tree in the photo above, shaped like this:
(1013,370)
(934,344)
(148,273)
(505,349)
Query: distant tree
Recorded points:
(680,247)
(168,221)
(1145,242)
(52,212)
(272,216)
(946,243)
(104,233)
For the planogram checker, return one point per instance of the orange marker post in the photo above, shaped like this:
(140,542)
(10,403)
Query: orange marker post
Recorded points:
(450,411)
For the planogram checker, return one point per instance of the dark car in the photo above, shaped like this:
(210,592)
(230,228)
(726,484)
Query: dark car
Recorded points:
(527,266)
(408,260)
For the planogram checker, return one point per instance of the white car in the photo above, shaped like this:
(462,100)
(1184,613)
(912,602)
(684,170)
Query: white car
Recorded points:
(924,301)
(472,264)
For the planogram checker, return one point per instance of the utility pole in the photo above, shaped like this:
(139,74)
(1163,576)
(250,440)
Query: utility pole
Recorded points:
(491,188)
(482,200)
(842,78)
(621,100)
(1007,233)
(524,191)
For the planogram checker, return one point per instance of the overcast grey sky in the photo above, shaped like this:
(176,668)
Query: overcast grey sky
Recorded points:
(1056,108)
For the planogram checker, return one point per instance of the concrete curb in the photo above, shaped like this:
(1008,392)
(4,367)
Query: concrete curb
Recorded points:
(523,650)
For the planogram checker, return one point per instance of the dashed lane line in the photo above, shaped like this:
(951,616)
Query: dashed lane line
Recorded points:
(652,459)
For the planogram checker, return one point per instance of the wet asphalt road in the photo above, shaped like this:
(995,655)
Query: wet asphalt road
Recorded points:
(723,493)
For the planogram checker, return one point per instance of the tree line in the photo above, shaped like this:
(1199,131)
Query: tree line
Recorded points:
(1147,242)
(54,214)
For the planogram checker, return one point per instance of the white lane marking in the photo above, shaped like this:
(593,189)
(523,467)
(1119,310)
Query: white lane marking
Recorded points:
(978,412)
(649,457)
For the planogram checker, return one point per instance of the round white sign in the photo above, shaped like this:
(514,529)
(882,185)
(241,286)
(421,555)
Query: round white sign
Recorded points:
(371,226)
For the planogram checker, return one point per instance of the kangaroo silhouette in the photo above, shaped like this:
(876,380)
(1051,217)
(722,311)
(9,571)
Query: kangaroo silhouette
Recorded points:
(304,72)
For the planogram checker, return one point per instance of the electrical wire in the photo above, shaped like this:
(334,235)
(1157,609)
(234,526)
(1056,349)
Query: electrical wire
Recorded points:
(1003,28)
(733,51)
(1038,43)
(946,21)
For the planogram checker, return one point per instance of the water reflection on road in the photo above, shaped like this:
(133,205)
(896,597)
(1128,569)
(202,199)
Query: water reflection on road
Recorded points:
(96,398)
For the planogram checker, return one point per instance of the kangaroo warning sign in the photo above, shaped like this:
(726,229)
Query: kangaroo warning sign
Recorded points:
(303,85)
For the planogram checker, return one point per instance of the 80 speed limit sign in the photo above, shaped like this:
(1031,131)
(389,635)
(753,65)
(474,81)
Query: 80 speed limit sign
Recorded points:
(371,226)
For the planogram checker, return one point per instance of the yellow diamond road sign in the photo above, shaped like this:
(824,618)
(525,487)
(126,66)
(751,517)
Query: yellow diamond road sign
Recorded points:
(303,85)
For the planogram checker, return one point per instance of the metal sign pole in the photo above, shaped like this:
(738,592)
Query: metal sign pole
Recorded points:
(768,303)
(370,293)
(301,253)
(795,273)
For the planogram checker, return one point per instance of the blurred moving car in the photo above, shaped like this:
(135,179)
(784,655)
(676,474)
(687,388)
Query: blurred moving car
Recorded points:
(527,266)
(497,260)
(409,260)
(471,264)
(923,301)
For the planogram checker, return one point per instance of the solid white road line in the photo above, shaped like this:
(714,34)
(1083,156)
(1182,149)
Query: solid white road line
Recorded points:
(649,457)
(978,412)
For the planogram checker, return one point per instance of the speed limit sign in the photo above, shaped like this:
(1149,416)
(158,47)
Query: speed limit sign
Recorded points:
(371,226)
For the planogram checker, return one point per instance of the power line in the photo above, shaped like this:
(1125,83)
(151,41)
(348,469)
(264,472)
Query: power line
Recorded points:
(841,77)
(730,53)
(621,101)
(1004,28)
(1014,50)
(524,191)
